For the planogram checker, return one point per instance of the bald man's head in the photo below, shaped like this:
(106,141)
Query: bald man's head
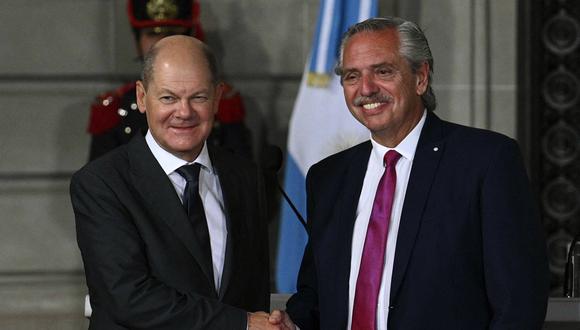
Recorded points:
(179,48)
(180,95)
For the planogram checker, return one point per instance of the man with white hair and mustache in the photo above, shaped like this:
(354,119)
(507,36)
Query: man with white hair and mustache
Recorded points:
(430,224)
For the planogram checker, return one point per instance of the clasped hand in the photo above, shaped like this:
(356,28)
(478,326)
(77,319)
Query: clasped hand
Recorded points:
(276,320)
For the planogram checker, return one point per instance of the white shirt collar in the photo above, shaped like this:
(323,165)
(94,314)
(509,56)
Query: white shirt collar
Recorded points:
(170,162)
(406,147)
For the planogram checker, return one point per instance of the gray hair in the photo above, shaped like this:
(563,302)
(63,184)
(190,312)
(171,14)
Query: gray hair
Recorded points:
(149,61)
(413,47)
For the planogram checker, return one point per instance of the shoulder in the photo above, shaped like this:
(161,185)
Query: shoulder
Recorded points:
(481,141)
(474,151)
(332,171)
(226,159)
(114,164)
(474,134)
(236,173)
(341,160)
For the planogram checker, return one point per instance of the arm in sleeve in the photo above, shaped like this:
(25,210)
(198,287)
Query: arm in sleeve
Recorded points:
(514,252)
(303,305)
(264,242)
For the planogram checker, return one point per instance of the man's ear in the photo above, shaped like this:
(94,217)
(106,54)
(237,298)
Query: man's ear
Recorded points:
(140,91)
(422,76)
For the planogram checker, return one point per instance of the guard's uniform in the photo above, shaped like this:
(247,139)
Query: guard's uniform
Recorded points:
(114,116)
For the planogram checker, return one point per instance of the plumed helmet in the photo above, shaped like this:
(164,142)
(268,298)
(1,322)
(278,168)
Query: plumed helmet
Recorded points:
(165,15)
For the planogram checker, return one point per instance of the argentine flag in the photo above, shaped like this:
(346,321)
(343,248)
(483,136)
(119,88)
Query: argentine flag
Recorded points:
(321,125)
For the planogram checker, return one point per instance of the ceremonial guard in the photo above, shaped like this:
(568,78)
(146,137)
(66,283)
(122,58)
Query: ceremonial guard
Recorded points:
(114,116)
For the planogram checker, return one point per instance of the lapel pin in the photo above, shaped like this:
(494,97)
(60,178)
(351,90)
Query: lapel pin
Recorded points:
(436,149)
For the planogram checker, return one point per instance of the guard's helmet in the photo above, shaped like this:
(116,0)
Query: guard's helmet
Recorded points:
(165,16)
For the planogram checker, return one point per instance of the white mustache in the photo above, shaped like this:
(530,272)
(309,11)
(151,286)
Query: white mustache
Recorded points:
(377,98)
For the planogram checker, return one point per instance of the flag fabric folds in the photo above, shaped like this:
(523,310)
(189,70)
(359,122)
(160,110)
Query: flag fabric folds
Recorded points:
(321,125)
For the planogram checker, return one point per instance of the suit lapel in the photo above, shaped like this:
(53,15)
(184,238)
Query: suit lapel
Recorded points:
(229,183)
(429,150)
(348,201)
(160,198)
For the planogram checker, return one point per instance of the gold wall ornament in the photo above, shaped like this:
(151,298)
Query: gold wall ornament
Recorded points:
(162,9)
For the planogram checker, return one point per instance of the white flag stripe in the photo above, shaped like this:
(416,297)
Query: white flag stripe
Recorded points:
(321,125)
(364,9)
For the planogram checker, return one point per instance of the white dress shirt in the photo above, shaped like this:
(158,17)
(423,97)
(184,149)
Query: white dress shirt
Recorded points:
(211,196)
(375,170)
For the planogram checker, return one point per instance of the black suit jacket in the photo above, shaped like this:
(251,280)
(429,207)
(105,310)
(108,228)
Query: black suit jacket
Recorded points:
(139,251)
(470,252)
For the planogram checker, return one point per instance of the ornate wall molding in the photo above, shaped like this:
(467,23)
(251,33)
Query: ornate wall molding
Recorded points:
(549,118)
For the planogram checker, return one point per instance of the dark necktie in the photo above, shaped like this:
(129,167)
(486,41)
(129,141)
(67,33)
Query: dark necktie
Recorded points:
(368,284)
(194,208)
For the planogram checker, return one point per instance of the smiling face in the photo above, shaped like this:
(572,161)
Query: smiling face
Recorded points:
(180,100)
(380,89)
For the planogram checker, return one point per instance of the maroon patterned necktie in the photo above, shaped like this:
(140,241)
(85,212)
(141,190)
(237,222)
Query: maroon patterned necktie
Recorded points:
(368,283)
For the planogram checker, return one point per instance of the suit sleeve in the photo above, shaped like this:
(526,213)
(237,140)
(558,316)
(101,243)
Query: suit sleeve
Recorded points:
(515,262)
(303,305)
(264,243)
(119,279)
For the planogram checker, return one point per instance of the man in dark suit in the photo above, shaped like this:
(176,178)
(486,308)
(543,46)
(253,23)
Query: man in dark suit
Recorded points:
(151,262)
(430,225)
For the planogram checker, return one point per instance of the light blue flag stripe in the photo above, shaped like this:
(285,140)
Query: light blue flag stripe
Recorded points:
(358,11)
(293,236)
(350,14)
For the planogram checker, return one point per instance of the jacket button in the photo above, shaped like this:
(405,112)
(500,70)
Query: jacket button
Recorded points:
(391,307)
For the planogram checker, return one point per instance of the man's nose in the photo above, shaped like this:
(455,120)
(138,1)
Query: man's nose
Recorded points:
(368,86)
(184,109)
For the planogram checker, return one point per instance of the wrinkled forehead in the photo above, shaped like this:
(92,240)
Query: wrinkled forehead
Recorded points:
(181,73)
(371,46)
(388,38)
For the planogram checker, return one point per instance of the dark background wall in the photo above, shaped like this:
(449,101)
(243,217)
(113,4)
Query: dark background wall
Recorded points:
(549,116)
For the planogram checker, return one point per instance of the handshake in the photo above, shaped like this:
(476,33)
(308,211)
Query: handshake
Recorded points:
(276,320)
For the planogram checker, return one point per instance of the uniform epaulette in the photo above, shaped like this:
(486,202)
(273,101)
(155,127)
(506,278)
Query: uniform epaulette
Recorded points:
(104,110)
(231,107)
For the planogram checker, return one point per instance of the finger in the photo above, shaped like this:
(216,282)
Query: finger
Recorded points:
(261,314)
(275,317)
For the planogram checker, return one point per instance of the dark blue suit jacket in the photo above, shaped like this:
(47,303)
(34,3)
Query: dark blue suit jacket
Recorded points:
(470,250)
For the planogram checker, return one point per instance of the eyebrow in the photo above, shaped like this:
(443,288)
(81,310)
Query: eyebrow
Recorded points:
(374,66)
(382,64)
(163,90)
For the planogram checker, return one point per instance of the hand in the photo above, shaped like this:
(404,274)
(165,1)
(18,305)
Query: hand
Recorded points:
(259,321)
(282,319)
